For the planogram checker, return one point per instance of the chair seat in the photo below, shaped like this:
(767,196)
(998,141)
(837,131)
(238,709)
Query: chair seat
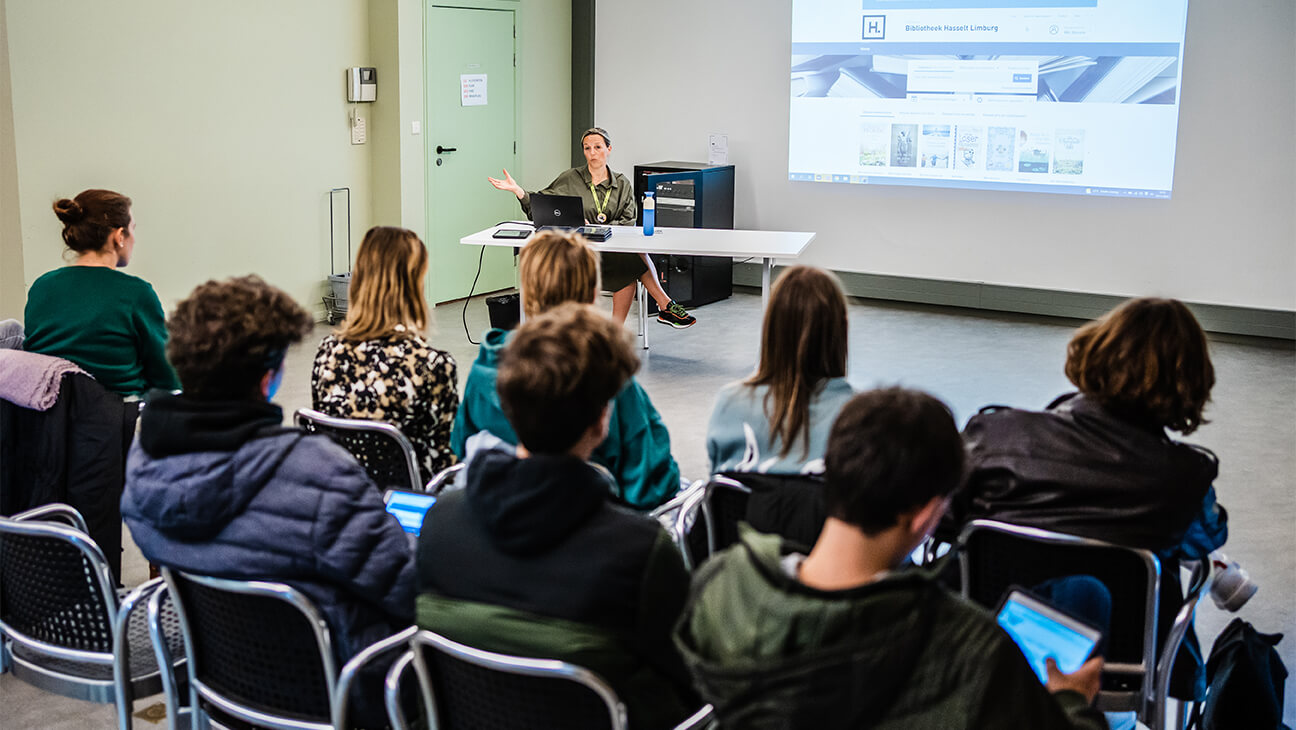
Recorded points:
(143,662)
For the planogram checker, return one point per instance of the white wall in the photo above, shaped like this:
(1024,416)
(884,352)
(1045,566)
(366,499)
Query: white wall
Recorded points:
(668,73)
(226,122)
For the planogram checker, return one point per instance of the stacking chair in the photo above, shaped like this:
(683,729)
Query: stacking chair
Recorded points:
(397,644)
(62,626)
(462,687)
(444,477)
(682,519)
(258,652)
(384,452)
(471,688)
(708,520)
(1137,663)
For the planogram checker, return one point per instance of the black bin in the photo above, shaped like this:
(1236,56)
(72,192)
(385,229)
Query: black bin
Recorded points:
(505,311)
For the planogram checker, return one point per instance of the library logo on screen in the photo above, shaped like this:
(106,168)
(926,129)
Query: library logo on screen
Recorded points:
(874,27)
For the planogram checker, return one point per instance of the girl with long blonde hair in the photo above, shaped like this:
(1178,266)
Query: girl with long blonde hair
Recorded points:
(379,365)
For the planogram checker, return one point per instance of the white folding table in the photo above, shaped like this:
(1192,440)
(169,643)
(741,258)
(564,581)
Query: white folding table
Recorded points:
(765,245)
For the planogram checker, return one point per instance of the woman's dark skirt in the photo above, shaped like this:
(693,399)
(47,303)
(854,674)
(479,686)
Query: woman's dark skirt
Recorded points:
(621,269)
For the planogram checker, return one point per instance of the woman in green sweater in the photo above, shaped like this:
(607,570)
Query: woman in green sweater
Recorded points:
(108,322)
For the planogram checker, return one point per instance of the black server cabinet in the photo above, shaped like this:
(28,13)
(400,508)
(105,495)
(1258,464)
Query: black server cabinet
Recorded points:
(694,195)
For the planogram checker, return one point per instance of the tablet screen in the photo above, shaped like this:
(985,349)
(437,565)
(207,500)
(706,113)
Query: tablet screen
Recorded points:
(1041,631)
(409,508)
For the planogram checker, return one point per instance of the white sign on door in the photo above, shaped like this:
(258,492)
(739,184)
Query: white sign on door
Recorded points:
(472,89)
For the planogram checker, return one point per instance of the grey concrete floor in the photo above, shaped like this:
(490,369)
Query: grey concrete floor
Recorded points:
(967,358)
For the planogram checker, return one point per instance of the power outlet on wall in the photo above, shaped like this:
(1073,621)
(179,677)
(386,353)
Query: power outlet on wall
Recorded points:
(359,134)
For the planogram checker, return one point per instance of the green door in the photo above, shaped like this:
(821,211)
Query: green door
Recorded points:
(470,109)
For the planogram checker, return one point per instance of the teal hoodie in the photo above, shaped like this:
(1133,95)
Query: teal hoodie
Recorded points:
(636,450)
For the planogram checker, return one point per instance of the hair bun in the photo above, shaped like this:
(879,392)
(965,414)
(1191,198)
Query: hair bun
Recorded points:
(69,211)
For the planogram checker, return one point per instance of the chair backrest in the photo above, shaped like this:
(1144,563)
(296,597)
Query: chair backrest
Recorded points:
(57,594)
(684,519)
(472,688)
(384,452)
(995,555)
(444,478)
(789,505)
(257,650)
(726,505)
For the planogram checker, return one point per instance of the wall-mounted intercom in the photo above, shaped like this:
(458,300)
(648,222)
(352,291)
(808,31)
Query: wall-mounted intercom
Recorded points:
(362,84)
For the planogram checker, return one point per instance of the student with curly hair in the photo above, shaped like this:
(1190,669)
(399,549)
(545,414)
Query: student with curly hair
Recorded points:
(1098,462)
(216,485)
(108,322)
(378,365)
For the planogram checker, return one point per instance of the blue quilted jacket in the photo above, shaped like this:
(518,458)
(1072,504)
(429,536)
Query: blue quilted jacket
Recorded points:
(219,489)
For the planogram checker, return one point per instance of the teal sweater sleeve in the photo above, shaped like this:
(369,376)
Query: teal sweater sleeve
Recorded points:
(637,450)
(151,334)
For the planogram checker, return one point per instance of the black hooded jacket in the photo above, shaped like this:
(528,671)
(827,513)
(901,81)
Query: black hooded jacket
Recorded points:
(539,540)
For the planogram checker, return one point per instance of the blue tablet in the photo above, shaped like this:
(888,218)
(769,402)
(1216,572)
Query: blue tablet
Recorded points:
(1042,631)
(408,508)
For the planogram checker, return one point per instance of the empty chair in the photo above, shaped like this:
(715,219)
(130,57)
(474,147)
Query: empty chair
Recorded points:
(258,651)
(62,626)
(1138,663)
(384,452)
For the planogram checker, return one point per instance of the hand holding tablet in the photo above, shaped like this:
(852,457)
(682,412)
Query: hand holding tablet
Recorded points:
(1048,636)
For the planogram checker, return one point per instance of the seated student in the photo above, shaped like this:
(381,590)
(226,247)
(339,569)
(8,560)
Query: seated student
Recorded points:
(769,431)
(378,365)
(777,420)
(216,485)
(555,268)
(533,557)
(842,639)
(1098,463)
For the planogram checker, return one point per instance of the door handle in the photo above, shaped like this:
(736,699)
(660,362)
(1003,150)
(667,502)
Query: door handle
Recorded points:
(442,150)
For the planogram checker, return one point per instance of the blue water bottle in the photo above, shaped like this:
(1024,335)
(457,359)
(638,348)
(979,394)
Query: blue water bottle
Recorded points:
(650,213)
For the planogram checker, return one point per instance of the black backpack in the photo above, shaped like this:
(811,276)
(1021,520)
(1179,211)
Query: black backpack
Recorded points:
(1244,679)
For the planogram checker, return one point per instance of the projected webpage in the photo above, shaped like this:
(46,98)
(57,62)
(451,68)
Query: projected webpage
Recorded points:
(1064,96)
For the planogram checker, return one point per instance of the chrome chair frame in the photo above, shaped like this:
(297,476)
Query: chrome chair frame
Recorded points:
(1155,667)
(391,692)
(526,666)
(718,482)
(693,503)
(679,516)
(304,417)
(351,670)
(438,482)
(162,653)
(122,688)
(199,691)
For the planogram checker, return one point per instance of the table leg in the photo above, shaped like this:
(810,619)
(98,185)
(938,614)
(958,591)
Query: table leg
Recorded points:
(642,291)
(767,266)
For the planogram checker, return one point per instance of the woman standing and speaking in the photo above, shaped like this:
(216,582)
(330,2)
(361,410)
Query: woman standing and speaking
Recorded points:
(609,200)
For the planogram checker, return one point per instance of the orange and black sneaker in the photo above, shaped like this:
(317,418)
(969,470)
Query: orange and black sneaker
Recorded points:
(676,316)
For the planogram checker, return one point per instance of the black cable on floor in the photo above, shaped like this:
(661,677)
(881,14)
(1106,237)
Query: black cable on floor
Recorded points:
(467,299)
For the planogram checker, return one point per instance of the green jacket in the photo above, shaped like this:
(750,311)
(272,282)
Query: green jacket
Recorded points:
(900,653)
(616,196)
(637,449)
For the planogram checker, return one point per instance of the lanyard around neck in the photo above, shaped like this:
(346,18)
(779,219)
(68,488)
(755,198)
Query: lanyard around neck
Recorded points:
(598,207)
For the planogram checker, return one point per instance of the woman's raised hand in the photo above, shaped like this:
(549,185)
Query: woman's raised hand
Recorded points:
(508,183)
